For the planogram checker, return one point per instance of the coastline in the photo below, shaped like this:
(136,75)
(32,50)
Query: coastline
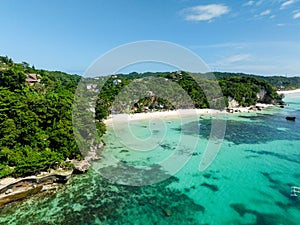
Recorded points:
(119,118)
(15,189)
(171,114)
(289,91)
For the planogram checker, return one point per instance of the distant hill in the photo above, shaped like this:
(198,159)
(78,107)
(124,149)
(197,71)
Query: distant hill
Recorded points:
(279,82)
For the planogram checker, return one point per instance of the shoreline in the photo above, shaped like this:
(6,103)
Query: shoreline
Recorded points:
(123,117)
(289,91)
(16,189)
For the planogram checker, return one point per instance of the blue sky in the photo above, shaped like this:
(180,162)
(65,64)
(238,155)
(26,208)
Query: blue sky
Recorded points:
(259,36)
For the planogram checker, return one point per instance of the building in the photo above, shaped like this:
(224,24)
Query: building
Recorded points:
(116,82)
(32,79)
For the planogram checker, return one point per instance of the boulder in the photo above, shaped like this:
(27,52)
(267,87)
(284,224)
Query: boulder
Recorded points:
(81,166)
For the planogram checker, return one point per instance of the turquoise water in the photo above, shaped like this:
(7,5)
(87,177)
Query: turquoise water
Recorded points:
(248,182)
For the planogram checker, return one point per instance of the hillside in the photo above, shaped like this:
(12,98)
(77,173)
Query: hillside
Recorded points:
(35,119)
(36,131)
(136,93)
(279,82)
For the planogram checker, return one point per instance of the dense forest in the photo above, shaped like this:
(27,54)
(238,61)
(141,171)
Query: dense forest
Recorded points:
(146,92)
(36,107)
(279,82)
(35,119)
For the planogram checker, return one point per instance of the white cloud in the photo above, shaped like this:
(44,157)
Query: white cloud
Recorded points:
(234,59)
(249,3)
(296,15)
(264,13)
(237,58)
(205,12)
(265,58)
(259,2)
(287,3)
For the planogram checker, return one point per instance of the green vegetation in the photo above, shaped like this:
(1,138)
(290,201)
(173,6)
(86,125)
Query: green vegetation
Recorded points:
(35,120)
(164,91)
(245,90)
(36,106)
(279,82)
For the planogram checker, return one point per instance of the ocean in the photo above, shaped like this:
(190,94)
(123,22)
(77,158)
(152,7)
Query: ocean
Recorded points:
(140,181)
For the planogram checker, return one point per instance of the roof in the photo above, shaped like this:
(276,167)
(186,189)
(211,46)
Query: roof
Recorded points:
(32,77)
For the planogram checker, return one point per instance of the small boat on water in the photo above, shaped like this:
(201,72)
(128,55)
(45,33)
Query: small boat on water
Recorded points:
(294,191)
(292,118)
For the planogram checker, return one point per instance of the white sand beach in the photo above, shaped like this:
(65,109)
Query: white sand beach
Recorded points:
(118,118)
(289,91)
(160,115)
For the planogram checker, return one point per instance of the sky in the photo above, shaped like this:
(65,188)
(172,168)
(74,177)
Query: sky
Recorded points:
(251,36)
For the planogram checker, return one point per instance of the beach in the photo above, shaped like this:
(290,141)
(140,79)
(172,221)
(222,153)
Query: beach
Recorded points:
(171,114)
(289,91)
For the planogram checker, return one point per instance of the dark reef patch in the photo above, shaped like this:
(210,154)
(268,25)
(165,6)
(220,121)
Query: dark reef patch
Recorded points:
(166,146)
(212,187)
(283,189)
(123,151)
(177,129)
(270,179)
(253,132)
(295,158)
(101,199)
(261,218)
(155,131)
(207,175)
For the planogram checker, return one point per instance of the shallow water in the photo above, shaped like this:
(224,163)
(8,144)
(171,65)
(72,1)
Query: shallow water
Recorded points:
(248,182)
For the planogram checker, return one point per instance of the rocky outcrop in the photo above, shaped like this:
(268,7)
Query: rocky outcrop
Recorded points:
(82,166)
(261,95)
(16,189)
(232,103)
